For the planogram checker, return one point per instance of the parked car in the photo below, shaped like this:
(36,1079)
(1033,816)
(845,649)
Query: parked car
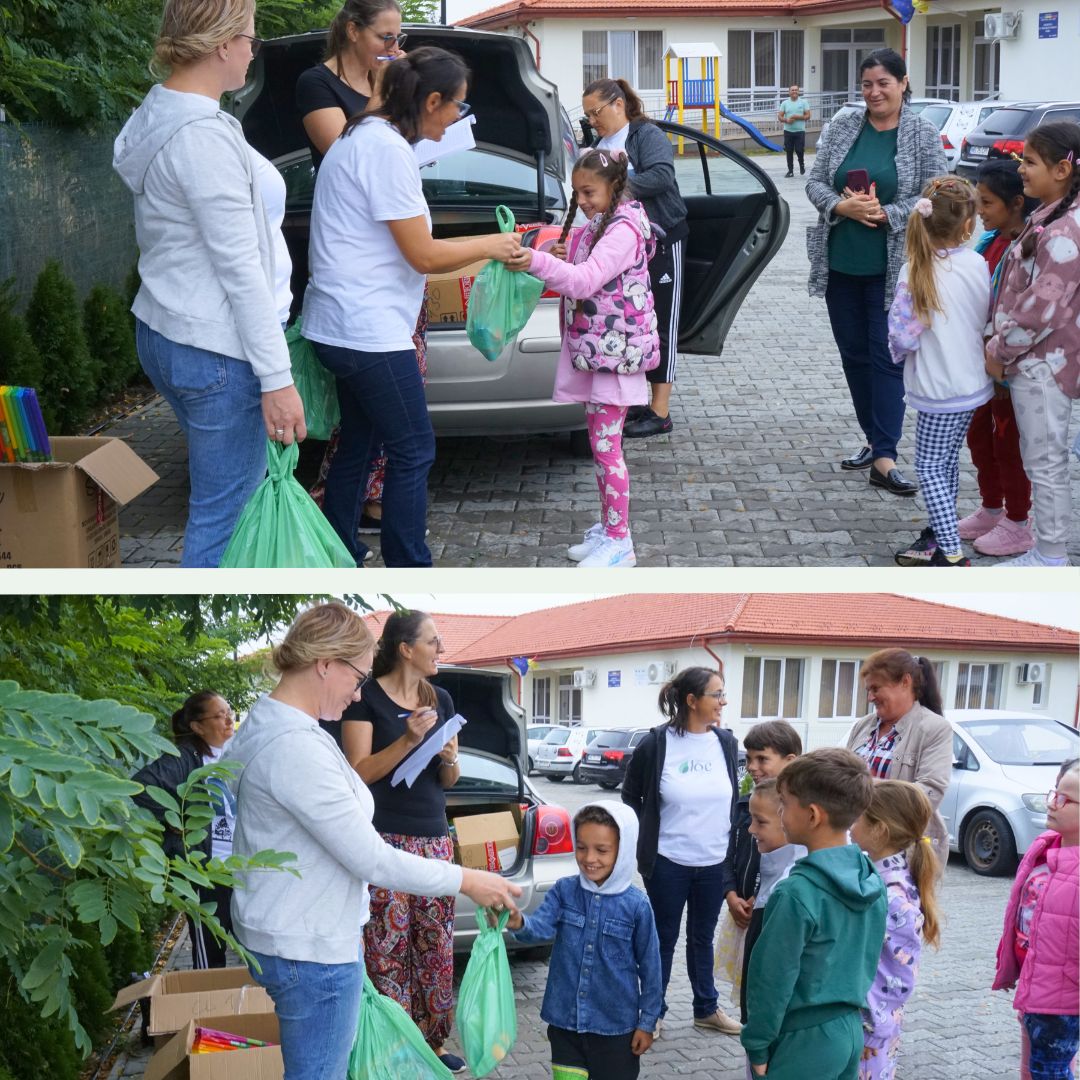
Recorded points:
(535,735)
(607,756)
(1004,763)
(963,117)
(559,755)
(916,104)
(1002,133)
(522,159)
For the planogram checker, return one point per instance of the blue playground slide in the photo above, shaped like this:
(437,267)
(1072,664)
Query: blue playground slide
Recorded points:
(750,130)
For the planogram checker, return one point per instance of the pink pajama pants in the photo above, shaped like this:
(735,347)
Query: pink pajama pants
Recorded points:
(605,423)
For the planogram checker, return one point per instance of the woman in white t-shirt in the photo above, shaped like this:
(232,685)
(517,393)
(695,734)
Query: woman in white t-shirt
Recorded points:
(371,249)
(682,783)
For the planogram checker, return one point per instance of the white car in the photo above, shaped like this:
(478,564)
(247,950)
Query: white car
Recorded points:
(964,116)
(535,734)
(559,755)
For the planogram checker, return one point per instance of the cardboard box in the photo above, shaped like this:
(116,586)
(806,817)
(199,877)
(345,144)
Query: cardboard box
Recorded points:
(174,1061)
(448,294)
(487,841)
(179,996)
(63,512)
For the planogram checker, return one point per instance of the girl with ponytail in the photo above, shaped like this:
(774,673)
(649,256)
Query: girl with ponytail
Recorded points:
(893,833)
(609,338)
(1035,345)
(935,330)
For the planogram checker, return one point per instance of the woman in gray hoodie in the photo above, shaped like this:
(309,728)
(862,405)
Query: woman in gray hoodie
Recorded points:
(296,792)
(213,266)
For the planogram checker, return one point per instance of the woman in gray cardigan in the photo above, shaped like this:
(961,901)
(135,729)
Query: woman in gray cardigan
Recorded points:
(906,737)
(857,245)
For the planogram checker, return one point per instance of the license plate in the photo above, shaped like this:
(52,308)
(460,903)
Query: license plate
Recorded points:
(593,757)
(978,151)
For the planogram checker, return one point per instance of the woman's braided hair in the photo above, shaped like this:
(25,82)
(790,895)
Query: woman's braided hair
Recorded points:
(611,168)
(1054,142)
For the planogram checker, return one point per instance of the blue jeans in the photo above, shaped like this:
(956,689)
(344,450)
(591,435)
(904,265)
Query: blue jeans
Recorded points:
(382,401)
(1054,1041)
(218,403)
(699,889)
(317,1007)
(860,325)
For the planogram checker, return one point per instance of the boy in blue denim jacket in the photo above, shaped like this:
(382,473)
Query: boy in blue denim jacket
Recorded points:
(604,990)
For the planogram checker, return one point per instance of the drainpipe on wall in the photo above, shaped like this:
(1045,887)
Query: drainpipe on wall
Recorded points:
(520,678)
(528,33)
(719,662)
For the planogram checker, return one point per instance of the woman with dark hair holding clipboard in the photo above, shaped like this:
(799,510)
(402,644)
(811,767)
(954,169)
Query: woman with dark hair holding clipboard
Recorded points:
(409,940)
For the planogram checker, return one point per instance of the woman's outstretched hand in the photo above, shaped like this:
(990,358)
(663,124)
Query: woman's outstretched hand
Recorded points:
(503,246)
(491,891)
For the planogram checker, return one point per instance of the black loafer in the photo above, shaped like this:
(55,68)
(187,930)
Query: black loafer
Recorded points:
(649,424)
(861,460)
(894,482)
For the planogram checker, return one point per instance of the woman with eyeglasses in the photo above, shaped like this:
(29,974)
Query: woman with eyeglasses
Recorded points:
(409,940)
(200,728)
(618,116)
(213,265)
(298,793)
(371,249)
(683,784)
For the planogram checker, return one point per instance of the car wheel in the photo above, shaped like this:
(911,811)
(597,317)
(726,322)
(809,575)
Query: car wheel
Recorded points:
(989,846)
(579,444)
(576,774)
(555,778)
(532,767)
(608,786)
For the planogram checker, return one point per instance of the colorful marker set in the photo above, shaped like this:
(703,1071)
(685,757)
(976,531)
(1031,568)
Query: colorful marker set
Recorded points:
(22,428)
(209,1041)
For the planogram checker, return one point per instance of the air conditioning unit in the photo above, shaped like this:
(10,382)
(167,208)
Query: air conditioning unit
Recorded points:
(1004,24)
(1029,673)
(583,678)
(660,672)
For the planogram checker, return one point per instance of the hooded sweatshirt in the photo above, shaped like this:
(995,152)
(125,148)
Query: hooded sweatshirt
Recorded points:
(819,947)
(206,246)
(296,792)
(604,974)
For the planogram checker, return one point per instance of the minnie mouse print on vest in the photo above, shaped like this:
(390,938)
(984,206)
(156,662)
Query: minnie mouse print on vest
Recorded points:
(615,330)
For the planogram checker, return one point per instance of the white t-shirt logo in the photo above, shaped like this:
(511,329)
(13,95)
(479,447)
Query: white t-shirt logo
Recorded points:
(691,765)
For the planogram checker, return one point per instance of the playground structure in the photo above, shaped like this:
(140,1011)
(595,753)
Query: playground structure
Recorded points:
(703,92)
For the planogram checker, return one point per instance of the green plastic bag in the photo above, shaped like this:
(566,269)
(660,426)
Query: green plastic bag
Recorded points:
(486,1015)
(281,526)
(315,385)
(389,1045)
(501,300)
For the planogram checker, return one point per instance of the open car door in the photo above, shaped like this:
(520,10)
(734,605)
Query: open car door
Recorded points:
(737,221)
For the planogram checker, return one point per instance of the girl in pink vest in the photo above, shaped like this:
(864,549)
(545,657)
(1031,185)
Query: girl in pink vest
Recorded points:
(1038,950)
(609,337)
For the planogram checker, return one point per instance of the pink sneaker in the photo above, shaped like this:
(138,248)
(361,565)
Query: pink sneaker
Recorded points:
(975,525)
(1006,538)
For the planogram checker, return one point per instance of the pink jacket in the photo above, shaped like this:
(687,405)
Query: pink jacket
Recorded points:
(1049,981)
(1037,307)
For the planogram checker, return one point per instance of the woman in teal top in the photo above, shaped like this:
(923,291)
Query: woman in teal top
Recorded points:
(857,246)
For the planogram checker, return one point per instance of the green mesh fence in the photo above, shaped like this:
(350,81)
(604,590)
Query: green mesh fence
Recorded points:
(59,198)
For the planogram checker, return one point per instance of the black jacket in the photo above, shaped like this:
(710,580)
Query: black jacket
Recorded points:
(168,773)
(641,788)
(653,181)
(743,860)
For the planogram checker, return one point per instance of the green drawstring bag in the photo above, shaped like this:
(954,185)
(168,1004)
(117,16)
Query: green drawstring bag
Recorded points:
(486,1015)
(281,526)
(389,1045)
(501,300)
(315,385)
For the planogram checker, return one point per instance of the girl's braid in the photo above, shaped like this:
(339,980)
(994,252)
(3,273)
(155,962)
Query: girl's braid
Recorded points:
(571,213)
(618,186)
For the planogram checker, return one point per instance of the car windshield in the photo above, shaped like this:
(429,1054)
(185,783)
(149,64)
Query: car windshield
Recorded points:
(1004,122)
(483,774)
(1024,742)
(612,738)
(557,736)
(938,115)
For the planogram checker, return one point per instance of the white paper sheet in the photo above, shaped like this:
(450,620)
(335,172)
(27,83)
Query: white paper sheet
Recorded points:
(458,136)
(418,759)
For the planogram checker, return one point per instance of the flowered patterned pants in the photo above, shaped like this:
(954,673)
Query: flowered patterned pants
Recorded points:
(605,424)
(1053,1042)
(409,945)
(373,491)
(879,1062)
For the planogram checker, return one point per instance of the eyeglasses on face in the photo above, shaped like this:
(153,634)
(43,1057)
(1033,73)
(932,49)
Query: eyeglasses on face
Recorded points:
(592,114)
(362,676)
(392,39)
(436,643)
(720,695)
(1056,800)
(463,108)
(256,43)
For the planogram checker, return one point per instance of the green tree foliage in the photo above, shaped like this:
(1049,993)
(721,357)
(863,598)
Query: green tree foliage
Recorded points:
(20,362)
(109,336)
(69,378)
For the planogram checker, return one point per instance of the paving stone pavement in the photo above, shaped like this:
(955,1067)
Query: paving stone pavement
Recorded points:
(955,1028)
(748,477)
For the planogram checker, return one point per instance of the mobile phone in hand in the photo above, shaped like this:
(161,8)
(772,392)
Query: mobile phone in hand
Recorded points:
(858,180)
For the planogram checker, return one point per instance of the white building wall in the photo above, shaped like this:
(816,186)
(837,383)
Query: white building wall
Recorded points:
(1034,67)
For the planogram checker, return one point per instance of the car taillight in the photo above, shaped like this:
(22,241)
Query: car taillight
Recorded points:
(612,755)
(1008,147)
(552,836)
(564,751)
(540,238)
(945,144)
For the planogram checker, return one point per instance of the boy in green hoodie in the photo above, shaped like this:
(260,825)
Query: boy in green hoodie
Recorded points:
(824,925)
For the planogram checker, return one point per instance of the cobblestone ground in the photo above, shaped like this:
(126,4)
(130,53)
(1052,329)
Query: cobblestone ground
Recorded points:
(955,1028)
(749,476)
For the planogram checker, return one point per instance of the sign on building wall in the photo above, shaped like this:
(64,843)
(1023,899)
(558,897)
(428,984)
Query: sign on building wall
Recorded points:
(1048,24)
(641,676)
(614,678)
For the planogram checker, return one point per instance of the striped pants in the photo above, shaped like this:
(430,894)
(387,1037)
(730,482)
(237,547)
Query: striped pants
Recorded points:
(206,950)
(666,281)
(938,439)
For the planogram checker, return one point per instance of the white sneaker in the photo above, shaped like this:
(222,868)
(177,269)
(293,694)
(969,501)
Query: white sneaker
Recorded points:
(593,536)
(1034,558)
(611,552)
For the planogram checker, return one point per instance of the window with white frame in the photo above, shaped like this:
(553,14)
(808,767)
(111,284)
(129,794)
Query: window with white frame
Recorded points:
(842,693)
(979,686)
(1040,690)
(772,688)
(541,699)
(986,67)
(762,64)
(943,62)
(634,55)
(569,701)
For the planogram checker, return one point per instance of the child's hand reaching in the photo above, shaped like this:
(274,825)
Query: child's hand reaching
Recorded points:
(558,251)
(995,369)
(521,259)
(640,1042)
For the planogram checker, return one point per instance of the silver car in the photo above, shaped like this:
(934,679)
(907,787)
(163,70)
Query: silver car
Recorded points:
(1004,763)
